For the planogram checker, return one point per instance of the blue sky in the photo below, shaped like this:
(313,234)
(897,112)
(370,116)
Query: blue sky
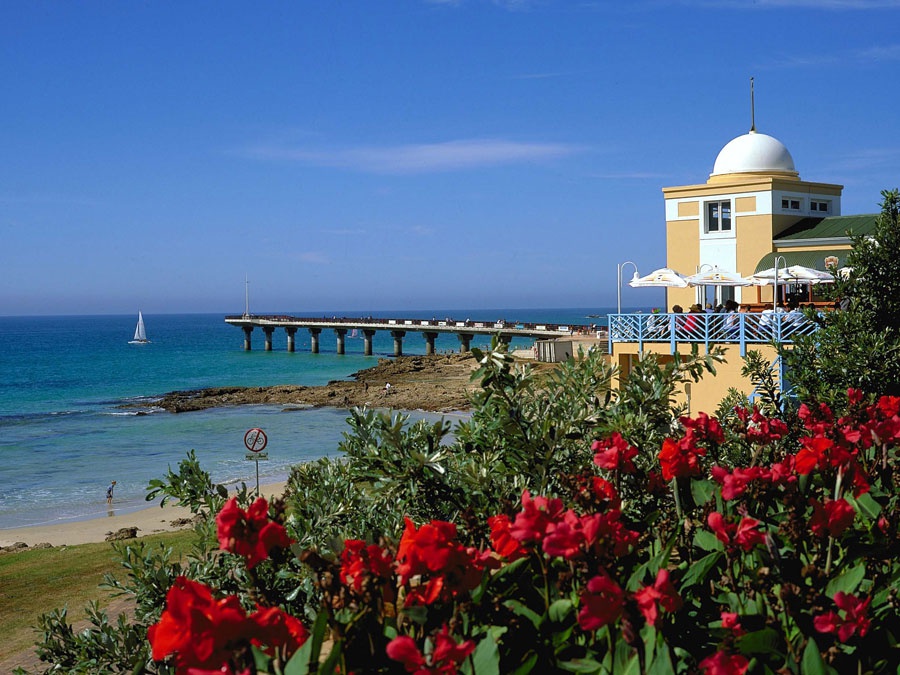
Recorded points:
(406,154)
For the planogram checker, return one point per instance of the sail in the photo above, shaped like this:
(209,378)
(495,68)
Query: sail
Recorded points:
(140,334)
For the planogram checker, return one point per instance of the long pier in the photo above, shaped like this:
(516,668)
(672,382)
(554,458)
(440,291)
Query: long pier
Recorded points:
(430,329)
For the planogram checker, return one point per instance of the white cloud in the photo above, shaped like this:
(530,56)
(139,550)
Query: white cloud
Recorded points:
(880,53)
(421,158)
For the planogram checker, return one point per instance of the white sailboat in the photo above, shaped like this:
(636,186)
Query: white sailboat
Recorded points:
(140,334)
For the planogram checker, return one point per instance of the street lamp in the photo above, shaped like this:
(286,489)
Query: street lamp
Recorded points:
(700,293)
(619,268)
(775,282)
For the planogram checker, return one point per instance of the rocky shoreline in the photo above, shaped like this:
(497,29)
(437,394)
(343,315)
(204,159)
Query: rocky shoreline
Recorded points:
(436,383)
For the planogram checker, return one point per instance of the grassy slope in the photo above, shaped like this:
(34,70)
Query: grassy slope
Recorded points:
(37,581)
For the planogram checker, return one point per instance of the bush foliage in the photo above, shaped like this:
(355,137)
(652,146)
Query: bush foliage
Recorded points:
(563,527)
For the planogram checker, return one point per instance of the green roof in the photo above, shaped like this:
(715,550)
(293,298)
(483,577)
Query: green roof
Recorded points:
(807,258)
(831,227)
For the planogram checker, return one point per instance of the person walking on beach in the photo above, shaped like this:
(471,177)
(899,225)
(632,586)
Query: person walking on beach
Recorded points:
(109,492)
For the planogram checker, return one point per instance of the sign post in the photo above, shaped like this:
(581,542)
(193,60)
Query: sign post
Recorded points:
(255,441)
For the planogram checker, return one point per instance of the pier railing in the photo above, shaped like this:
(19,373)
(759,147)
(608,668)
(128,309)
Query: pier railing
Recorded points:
(703,328)
(444,325)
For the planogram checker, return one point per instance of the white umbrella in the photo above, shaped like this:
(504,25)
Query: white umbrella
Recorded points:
(717,277)
(662,277)
(795,274)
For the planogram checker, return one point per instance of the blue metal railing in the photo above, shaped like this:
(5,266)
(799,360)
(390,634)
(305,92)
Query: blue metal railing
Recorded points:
(732,328)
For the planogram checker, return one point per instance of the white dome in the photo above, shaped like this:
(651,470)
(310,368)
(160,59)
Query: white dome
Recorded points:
(754,153)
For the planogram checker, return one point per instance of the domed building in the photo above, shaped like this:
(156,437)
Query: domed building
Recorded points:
(753,207)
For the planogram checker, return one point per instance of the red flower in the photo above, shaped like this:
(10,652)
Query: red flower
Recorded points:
(744,535)
(831,518)
(502,540)
(566,537)
(195,628)
(277,629)
(537,516)
(704,428)
(615,454)
(249,533)
(854,619)
(601,603)
(760,429)
(889,406)
(403,649)
(607,535)
(680,458)
(732,621)
(445,658)
(722,663)
(734,484)
(663,592)
(433,551)
(605,491)
(359,561)
(812,454)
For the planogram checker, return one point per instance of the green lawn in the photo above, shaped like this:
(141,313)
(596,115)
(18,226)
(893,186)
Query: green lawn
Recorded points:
(38,581)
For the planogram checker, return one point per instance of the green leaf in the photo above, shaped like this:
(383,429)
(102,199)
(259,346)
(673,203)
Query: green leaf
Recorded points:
(764,641)
(812,663)
(518,608)
(868,506)
(560,610)
(697,572)
(847,582)
(579,666)
(707,541)
(702,491)
(486,657)
(311,649)
(527,665)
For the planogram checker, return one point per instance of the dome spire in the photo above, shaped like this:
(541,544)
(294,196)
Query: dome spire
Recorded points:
(752,109)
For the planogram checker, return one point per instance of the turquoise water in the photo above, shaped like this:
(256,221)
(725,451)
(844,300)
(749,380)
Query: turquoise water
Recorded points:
(63,436)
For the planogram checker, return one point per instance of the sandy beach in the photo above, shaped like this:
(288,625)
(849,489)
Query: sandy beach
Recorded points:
(150,520)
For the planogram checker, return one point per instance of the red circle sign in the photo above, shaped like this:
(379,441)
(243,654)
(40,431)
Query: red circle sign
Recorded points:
(255,440)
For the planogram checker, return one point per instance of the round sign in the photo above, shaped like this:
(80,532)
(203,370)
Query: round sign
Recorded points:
(255,440)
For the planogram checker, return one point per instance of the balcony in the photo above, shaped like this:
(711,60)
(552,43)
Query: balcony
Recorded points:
(740,328)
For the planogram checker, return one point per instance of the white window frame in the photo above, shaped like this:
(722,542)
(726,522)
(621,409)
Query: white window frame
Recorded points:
(719,220)
(787,204)
(819,206)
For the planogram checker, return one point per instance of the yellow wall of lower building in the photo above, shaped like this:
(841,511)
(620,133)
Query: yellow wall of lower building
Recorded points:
(683,251)
(702,396)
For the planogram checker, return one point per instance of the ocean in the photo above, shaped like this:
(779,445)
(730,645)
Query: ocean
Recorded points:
(64,435)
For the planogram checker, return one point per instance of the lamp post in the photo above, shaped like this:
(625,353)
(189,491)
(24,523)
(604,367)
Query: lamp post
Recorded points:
(700,293)
(619,268)
(775,282)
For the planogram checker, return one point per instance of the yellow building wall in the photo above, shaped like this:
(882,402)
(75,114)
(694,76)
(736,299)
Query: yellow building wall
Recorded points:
(745,204)
(683,247)
(703,396)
